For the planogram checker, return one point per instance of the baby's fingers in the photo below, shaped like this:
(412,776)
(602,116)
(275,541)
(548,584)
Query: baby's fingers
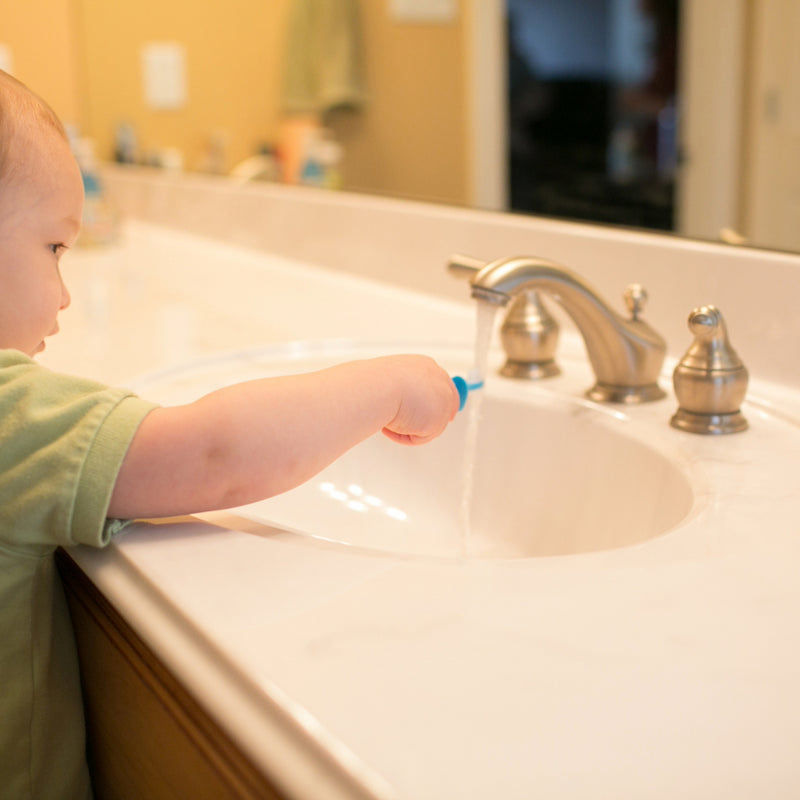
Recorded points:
(427,406)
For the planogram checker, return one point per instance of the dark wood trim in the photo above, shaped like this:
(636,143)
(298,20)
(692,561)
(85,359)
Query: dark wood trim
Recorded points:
(146,735)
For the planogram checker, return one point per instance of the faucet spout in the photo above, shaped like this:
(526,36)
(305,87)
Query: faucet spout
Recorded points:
(626,354)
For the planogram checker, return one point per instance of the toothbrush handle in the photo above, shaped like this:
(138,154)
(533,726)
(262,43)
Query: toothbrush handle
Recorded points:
(463,391)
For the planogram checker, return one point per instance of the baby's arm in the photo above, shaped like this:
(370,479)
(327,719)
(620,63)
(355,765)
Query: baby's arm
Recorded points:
(257,439)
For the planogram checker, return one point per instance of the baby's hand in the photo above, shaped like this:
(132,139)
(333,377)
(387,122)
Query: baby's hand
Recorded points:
(427,400)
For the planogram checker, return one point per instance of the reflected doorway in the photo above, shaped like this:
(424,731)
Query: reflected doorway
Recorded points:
(592,98)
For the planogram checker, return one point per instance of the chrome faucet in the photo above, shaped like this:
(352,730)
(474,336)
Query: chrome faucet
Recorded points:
(626,354)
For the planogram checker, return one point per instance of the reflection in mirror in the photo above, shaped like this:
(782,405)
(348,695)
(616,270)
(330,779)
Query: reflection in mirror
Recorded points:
(730,142)
(690,125)
(592,110)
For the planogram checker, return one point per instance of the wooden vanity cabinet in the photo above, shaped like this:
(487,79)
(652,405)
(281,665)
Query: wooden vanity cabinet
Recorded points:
(146,736)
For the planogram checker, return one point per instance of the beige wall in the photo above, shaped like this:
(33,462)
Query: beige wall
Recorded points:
(413,138)
(232,68)
(410,140)
(41,37)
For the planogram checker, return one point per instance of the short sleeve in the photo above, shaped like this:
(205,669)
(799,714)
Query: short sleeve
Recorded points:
(63,442)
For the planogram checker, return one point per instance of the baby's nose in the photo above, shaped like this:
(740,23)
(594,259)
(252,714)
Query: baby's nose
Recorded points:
(66,299)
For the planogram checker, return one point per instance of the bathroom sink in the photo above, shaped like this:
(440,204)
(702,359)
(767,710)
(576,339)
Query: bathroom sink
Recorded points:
(550,474)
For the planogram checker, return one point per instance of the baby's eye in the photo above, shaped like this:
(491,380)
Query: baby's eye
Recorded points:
(57,248)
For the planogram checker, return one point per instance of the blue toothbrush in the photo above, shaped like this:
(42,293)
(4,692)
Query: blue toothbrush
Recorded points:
(466,385)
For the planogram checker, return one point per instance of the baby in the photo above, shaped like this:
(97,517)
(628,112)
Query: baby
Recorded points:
(78,457)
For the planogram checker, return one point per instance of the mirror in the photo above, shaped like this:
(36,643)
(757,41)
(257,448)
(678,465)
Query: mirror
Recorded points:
(205,88)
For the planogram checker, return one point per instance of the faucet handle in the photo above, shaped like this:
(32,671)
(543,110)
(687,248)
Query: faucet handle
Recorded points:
(710,380)
(635,298)
(529,335)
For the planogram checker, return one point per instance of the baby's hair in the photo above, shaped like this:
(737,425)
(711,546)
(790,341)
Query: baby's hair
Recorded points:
(22,115)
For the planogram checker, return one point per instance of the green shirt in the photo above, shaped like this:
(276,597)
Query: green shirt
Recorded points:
(62,441)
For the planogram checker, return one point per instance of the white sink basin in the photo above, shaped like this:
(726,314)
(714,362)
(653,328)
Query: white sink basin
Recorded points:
(553,475)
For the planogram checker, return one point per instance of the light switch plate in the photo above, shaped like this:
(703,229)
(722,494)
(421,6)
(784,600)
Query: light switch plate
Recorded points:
(441,11)
(164,75)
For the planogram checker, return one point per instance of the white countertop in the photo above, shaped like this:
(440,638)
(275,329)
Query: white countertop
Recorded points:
(667,669)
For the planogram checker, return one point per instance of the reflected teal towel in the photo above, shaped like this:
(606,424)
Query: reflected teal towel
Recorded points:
(324,67)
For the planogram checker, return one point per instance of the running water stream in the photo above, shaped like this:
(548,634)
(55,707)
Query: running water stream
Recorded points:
(484,328)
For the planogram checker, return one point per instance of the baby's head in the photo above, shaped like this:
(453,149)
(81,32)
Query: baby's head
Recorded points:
(41,201)
(24,119)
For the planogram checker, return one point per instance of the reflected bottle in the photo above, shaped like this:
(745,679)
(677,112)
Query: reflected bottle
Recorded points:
(100,221)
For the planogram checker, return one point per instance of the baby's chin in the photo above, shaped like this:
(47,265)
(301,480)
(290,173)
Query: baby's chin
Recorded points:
(43,344)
